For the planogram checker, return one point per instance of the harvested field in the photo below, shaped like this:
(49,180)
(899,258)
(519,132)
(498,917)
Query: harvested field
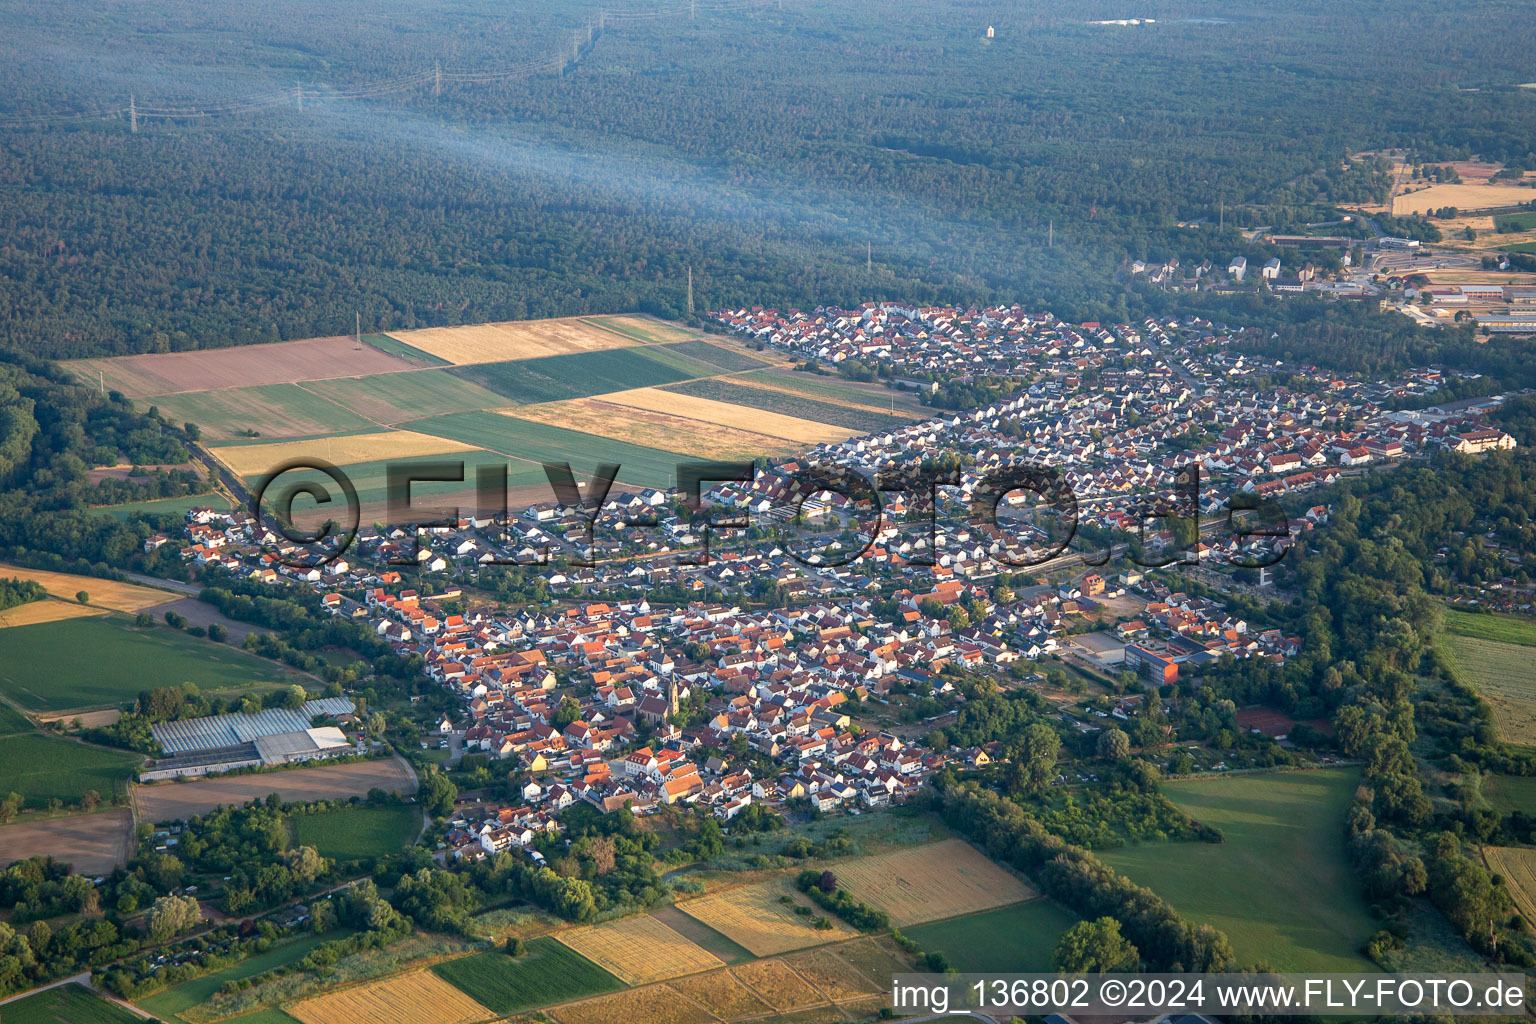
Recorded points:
(392,398)
(930,882)
(93,844)
(1518,866)
(697,931)
(49,609)
(271,410)
(725,414)
(832,975)
(777,985)
(254,459)
(652,429)
(1463,197)
(108,594)
(657,1004)
(815,1015)
(753,916)
(174,801)
(876,959)
(244,366)
(638,950)
(644,329)
(531,339)
(420,997)
(722,994)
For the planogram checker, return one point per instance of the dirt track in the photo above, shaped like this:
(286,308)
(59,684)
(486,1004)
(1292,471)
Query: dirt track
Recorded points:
(174,801)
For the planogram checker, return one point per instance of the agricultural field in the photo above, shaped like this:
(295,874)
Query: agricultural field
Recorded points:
(1518,866)
(420,997)
(353,833)
(176,801)
(840,391)
(1286,829)
(755,917)
(718,354)
(832,976)
(270,410)
(1501,674)
(737,397)
(536,442)
(49,609)
(163,506)
(547,973)
(42,767)
(926,883)
(656,1004)
(534,339)
(650,429)
(169,1003)
(875,958)
(1463,197)
(1008,940)
(580,375)
(727,414)
(1509,629)
(395,347)
(392,398)
(693,929)
(67,1004)
(1516,221)
(1510,793)
(722,994)
(284,362)
(105,661)
(252,460)
(777,985)
(638,950)
(108,594)
(93,844)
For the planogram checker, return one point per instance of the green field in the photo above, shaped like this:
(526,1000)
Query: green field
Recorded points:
(395,347)
(1525,247)
(719,355)
(577,375)
(163,506)
(390,398)
(353,833)
(540,443)
(42,767)
(547,973)
(1518,221)
(12,721)
(105,661)
(67,1004)
(840,390)
(1017,939)
(788,405)
(172,1001)
(1280,886)
(1501,674)
(1510,793)
(371,478)
(1509,629)
(272,410)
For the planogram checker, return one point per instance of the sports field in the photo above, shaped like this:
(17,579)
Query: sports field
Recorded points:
(285,362)
(105,661)
(67,1004)
(175,801)
(546,973)
(1009,940)
(755,917)
(353,833)
(639,949)
(926,883)
(1518,866)
(1501,674)
(271,410)
(419,997)
(1280,886)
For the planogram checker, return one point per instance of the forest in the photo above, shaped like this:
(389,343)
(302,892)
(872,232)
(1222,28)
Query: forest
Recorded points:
(763,146)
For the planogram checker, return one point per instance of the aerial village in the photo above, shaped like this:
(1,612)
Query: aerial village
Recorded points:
(768,659)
